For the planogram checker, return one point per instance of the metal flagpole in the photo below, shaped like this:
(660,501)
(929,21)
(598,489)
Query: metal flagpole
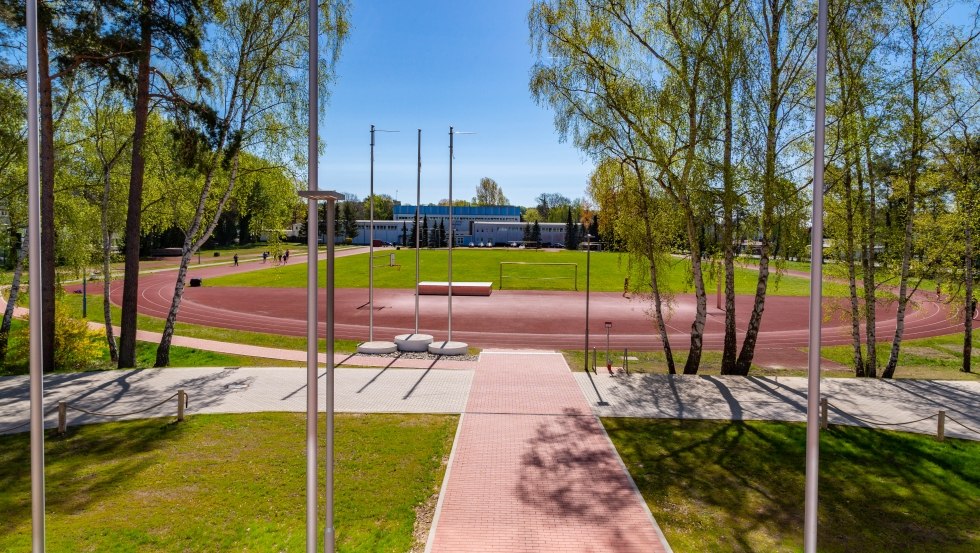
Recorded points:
(329,535)
(418,199)
(816,295)
(311,286)
(371,243)
(371,248)
(449,337)
(34,272)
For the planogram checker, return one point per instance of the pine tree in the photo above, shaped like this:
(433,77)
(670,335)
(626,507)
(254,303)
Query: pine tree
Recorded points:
(405,233)
(424,239)
(442,235)
(527,232)
(536,233)
(571,237)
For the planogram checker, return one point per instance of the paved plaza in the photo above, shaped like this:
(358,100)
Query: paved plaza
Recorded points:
(531,467)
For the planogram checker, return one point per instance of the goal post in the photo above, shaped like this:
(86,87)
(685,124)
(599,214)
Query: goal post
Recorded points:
(547,276)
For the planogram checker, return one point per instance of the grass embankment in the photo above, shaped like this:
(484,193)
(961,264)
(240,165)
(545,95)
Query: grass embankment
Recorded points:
(608,271)
(655,362)
(738,486)
(939,357)
(223,483)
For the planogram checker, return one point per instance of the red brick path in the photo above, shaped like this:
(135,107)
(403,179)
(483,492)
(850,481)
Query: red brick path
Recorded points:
(534,471)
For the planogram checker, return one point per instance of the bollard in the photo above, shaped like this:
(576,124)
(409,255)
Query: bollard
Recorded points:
(181,401)
(594,369)
(941,426)
(626,360)
(62,417)
(823,413)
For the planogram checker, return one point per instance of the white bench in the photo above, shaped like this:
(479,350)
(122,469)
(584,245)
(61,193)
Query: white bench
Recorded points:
(431,288)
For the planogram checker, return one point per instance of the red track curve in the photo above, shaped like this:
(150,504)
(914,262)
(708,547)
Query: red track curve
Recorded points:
(519,319)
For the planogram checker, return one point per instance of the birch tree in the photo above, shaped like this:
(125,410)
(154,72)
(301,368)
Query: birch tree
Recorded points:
(259,105)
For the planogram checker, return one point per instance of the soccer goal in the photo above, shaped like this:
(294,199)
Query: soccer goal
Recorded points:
(523,275)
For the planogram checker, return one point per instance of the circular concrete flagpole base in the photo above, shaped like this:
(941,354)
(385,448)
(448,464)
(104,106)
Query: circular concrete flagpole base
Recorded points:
(448,348)
(413,342)
(377,347)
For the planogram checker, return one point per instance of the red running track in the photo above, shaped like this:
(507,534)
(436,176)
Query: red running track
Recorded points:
(520,318)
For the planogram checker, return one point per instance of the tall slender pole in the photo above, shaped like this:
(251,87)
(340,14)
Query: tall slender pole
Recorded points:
(371,248)
(449,333)
(328,532)
(34,272)
(418,200)
(588,272)
(811,485)
(312,154)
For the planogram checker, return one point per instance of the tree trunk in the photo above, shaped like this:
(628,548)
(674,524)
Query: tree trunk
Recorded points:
(46,110)
(106,268)
(913,175)
(729,352)
(134,211)
(852,272)
(654,282)
(191,245)
(697,327)
(8,313)
(968,310)
(870,294)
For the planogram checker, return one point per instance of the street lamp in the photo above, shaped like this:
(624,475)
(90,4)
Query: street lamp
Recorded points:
(811,484)
(371,346)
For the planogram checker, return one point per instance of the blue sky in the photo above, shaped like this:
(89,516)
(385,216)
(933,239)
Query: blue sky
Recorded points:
(429,65)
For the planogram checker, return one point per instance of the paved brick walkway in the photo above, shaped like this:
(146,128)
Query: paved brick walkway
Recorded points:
(533,470)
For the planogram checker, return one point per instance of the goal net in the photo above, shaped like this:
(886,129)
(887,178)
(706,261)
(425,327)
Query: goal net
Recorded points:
(521,275)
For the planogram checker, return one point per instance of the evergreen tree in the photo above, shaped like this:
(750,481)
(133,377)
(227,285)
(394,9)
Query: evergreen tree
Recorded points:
(424,239)
(405,233)
(536,233)
(527,232)
(571,237)
(442,235)
(350,221)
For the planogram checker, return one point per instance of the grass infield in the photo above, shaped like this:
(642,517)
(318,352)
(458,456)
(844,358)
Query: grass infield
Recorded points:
(608,273)
(738,486)
(224,483)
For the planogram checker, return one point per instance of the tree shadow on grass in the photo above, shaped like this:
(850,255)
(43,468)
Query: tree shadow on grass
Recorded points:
(738,486)
(83,467)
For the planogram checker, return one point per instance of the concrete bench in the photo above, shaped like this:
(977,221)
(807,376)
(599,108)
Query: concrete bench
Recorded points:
(429,288)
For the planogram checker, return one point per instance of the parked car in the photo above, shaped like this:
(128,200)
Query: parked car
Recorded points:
(470,244)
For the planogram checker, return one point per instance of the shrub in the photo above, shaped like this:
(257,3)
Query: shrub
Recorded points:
(76,346)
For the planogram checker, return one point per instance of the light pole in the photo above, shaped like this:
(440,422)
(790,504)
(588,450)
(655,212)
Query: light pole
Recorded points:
(811,484)
(588,269)
(371,346)
(416,342)
(331,197)
(34,272)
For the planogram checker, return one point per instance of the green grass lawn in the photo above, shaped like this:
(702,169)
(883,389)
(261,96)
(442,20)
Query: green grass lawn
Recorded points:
(939,357)
(608,271)
(224,483)
(738,486)
(655,362)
